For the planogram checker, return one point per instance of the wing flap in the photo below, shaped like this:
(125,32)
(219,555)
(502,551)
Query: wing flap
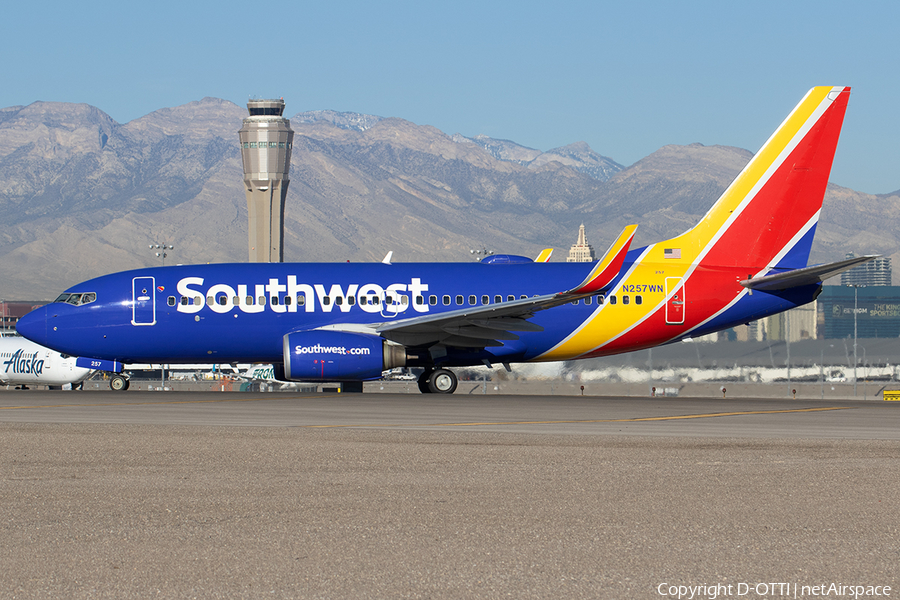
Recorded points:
(471,331)
(507,324)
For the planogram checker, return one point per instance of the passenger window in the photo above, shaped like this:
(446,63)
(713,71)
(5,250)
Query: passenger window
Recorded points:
(351,300)
(249,300)
(301,300)
(420,300)
(236,300)
(625,299)
(638,300)
(274,301)
(446,300)
(287,300)
(523,296)
(510,298)
(185,300)
(404,300)
(473,300)
(432,300)
(589,300)
(222,300)
(612,299)
(339,301)
(498,299)
(485,299)
(326,300)
(459,300)
(171,301)
(210,300)
(262,300)
(198,300)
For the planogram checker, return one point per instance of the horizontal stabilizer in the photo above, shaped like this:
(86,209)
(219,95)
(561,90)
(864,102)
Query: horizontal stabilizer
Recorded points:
(807,276)
(609,266)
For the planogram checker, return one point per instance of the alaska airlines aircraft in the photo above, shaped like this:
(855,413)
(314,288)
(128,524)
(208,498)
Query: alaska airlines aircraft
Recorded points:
(24,363)
(746,259)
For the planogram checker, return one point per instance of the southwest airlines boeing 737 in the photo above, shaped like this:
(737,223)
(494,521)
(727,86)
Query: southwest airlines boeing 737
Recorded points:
(746,259)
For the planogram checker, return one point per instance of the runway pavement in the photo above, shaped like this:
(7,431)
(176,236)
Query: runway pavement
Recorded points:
(218,495)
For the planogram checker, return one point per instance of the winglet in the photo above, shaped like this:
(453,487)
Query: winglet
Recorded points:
(607,267)
(387,258)
(544,256)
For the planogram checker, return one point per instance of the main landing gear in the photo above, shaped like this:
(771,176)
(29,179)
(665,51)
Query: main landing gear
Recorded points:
(439,381)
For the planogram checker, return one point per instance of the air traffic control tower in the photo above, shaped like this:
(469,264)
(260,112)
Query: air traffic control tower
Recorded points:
(266,140)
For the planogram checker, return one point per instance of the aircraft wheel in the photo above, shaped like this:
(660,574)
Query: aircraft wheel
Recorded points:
(442,381)
(423,382)
(118,383)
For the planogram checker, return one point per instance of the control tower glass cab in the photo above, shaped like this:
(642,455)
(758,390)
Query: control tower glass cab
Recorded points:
(266,140)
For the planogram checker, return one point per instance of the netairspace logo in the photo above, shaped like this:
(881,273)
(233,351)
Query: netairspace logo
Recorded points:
(340,350)
(771,590)
(22,363)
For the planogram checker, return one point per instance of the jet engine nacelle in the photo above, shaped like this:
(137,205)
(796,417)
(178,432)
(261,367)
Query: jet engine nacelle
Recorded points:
(339,356)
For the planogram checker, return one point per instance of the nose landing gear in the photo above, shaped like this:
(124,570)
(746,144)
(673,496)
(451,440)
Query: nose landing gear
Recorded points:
(118,383)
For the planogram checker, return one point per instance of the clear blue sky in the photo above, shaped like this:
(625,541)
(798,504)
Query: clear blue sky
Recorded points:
(626,77)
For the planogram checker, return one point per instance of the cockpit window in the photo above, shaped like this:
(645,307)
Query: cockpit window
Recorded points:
(77,299)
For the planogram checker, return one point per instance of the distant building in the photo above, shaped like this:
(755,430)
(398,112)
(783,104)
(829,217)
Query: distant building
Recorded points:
(11,312)
(874,272)
(877,310)
(266,141)
(796,324)
(581,251)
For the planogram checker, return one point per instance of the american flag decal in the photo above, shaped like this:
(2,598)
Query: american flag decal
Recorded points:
(672,253)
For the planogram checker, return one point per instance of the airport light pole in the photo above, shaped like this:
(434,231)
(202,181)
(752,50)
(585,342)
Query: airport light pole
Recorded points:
(478,253)
(855,287)
(161,250)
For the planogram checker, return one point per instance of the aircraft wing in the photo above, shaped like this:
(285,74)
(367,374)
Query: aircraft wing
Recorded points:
(473,327)
(491,324)
(806,276)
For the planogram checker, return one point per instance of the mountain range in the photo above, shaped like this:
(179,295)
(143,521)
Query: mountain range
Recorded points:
(82,195)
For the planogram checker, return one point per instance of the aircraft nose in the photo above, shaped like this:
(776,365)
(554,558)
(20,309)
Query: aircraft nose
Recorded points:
(33,326)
